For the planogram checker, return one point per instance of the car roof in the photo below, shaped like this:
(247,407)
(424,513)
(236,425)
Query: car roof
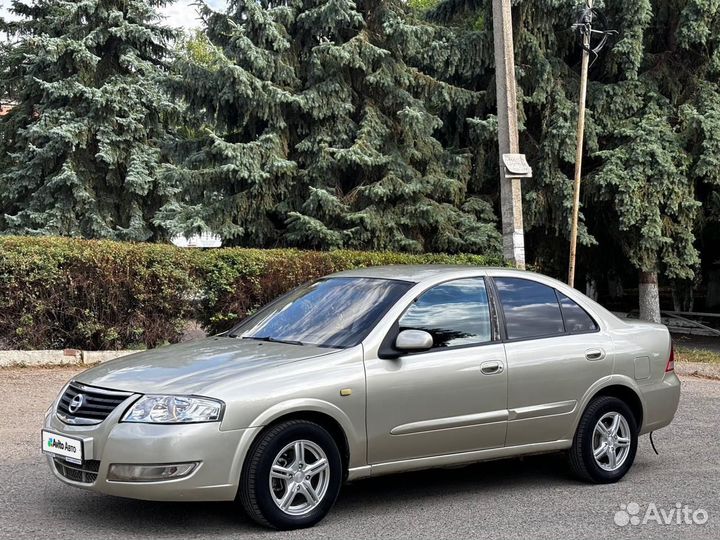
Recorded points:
(414,273)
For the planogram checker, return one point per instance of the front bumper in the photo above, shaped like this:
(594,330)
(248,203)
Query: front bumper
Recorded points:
(220,454)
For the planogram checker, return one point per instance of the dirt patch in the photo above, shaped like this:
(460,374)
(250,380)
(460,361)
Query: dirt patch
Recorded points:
(28,392)
(698,369)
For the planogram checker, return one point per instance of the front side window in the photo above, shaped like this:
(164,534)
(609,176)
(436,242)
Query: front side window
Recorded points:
(455,313)
(531,309)
(333,312)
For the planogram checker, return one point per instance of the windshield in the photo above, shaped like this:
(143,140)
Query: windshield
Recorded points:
(334,312)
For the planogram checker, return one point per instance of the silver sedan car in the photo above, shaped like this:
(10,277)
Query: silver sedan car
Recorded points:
(365,373)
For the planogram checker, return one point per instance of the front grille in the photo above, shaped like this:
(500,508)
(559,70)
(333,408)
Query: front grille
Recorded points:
(95,404)
(86,473)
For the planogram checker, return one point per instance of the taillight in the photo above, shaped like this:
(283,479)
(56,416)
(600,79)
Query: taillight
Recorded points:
(671,361)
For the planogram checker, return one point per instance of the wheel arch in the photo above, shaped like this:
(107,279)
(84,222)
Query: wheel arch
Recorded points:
(619,386)
(327,422)
(327,415)
(626,394)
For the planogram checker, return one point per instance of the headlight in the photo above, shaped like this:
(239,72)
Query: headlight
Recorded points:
(174,410)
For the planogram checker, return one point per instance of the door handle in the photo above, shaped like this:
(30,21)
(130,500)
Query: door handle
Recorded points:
(594,354)
(492,368)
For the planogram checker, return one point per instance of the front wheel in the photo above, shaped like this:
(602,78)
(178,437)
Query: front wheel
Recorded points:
(605,442)
(292,476)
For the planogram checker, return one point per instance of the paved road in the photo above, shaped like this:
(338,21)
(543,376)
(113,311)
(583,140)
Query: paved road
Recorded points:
(530,498)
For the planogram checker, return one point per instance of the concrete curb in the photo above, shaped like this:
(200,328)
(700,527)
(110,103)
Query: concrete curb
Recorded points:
(66,357)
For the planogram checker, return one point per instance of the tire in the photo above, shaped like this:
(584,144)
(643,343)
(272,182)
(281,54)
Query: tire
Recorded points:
(261,495)
(589,437)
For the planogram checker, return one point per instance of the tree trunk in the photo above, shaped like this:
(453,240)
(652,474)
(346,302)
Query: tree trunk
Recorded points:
(682,293)
(712,299)
(615,287)
(591,288)
(649,297)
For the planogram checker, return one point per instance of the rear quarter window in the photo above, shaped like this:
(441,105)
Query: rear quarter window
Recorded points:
(577,320)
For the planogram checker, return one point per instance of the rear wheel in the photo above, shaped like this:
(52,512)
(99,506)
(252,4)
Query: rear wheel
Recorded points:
(292,476)
(605,442)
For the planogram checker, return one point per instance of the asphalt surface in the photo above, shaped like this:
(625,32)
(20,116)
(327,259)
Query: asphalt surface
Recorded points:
(530,498)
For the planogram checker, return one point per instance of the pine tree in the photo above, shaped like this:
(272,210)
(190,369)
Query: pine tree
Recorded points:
(83,142)
(232,167)
(322,131)
(652,127)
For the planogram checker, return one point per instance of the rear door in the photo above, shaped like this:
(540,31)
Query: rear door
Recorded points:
(555,351)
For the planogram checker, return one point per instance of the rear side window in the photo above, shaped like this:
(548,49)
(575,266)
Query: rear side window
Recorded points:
(531,309)
(455,313)
(577,321)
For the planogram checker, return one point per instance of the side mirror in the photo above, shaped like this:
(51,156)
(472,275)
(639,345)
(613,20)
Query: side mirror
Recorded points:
(413,340)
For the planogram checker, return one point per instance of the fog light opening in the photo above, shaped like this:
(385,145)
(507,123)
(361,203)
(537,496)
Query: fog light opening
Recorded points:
(120,472)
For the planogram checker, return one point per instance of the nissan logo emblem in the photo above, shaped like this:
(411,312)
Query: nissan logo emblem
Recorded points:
(76,403)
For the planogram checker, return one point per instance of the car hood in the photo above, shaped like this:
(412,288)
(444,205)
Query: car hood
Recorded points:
(192,368)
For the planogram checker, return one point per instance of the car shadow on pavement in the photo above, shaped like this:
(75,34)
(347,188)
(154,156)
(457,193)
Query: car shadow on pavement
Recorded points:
(370,496)
(500,474)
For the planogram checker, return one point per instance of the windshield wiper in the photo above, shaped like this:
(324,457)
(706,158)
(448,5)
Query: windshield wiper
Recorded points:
(271,339)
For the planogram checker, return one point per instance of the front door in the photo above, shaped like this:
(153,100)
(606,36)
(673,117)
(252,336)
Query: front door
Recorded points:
(451,398)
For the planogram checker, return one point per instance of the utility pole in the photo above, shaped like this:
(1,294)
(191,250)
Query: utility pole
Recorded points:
(579,149)
(510,188)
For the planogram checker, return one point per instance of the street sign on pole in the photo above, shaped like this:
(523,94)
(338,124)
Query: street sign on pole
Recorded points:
(516,166)
(510,187)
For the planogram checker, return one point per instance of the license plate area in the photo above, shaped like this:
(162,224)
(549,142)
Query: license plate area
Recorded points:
(62,446)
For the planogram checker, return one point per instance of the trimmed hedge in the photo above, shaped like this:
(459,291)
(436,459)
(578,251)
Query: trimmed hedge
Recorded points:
(94,295)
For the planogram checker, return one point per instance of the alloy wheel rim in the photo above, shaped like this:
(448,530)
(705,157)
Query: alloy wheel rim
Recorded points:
(611,441)
(299,477)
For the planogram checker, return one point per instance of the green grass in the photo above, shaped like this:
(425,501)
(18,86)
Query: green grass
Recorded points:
(683,354)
